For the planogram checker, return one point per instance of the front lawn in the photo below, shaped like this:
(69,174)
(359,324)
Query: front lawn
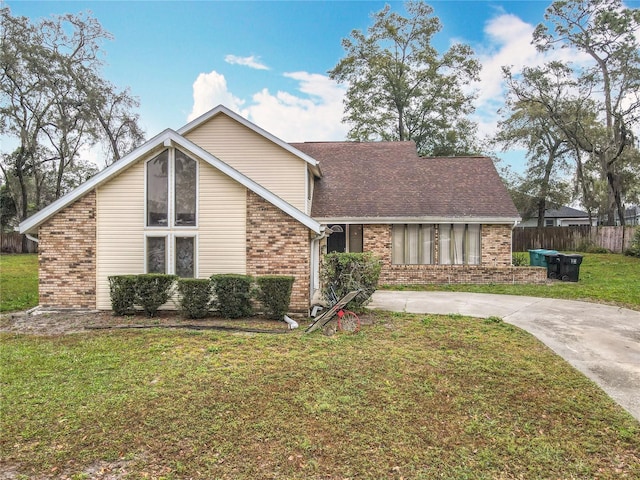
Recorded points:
(18,282)
(604,278)
(417,397)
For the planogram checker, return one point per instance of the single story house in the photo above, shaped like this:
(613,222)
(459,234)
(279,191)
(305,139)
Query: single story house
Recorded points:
(222,195)
(561,217)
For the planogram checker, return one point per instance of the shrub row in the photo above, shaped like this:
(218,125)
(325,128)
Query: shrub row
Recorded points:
(230,294)
(148,291)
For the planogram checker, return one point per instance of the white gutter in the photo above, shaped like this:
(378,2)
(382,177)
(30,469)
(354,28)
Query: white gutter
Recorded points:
(416,220)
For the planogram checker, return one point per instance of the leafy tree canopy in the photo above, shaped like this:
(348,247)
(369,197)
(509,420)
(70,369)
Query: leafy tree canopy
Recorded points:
(401,88)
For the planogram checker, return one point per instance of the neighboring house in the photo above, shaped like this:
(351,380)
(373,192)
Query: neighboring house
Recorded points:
(221,195)
(632,215)
(561,217)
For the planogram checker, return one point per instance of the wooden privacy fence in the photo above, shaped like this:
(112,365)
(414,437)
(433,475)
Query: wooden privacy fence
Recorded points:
(11,242)
(576,238)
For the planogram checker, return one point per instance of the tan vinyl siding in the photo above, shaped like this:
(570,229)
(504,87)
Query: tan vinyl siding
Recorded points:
(221,231)
(255,156)
(222,224)
(119,230)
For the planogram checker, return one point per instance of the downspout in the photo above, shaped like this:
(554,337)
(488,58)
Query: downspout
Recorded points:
(315,260)
(32,238)
(515,223)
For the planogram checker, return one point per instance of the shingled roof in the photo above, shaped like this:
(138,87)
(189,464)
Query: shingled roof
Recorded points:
(388,180)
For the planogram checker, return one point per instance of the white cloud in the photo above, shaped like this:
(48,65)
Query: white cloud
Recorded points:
(251,62)
(209,91)
(312,112)
(507,42)
(314,116)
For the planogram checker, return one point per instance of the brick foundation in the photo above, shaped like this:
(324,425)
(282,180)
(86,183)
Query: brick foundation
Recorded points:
(67,256)
(278,245)
(495,267)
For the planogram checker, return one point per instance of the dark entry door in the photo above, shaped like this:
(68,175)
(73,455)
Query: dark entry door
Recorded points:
(337,241)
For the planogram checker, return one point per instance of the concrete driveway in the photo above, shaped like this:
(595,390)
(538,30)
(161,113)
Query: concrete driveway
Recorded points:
(601,341)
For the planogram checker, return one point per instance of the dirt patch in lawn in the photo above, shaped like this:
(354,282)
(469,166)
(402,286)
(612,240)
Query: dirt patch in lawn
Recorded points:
(61,322)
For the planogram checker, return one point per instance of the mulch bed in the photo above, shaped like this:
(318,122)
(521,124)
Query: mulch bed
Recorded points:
(60,322)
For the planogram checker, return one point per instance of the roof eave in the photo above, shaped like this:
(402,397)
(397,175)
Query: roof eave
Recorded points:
(31,224)
(163,140)
(420,219)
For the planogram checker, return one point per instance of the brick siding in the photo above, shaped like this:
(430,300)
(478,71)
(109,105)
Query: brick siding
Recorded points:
(277,244)
(495,264)
(67,256)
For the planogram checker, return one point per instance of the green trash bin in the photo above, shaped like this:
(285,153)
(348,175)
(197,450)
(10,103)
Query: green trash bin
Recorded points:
(534,258)
(570,268)
(537,258)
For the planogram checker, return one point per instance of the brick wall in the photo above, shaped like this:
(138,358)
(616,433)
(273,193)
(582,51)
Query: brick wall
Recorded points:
(496,245)
(495,267)
(277,244)
(67,256)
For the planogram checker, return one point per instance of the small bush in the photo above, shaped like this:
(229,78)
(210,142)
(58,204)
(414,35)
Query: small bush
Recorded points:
(152,291)
(195,297)
(232,294)
(590,247)
(520,259)
(123,294)
(274,292)
(351,271)
(634,249)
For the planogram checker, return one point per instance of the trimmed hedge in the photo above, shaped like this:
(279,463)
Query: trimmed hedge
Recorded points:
(351,271)
(274,293)
(152,291)
(122,289)
(195,297)
(232,294)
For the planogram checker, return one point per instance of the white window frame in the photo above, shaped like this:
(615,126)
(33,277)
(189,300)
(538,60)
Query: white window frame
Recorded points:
(171,230)
(166,249)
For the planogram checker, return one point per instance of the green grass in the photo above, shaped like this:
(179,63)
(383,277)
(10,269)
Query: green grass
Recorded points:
(604,278)
(18,282)
(416,397)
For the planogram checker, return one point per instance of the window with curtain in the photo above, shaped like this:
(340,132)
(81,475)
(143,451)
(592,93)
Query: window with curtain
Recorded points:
(459,244)
(412,244)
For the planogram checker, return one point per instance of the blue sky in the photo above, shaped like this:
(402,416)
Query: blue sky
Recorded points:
(268,60)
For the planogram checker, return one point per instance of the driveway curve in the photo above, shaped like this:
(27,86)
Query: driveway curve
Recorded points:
(601,341)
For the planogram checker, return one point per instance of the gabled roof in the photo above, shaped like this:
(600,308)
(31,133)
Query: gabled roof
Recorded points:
(388,181)
(221,109)
(165,139)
